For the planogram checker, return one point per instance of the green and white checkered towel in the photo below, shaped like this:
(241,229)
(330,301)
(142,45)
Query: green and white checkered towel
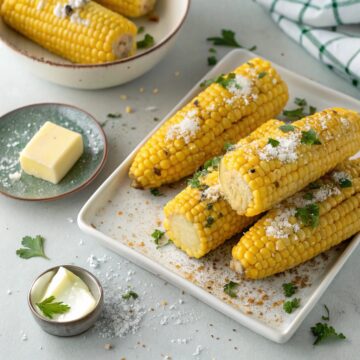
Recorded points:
(328,29)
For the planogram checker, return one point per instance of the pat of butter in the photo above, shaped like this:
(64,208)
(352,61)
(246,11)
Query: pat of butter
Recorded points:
(52,152)
(65,286)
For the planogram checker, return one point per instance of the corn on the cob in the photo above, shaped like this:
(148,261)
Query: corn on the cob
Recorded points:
(229,109)
(79,30)
(131,8)
(272,167)
(198,219)
(312,221)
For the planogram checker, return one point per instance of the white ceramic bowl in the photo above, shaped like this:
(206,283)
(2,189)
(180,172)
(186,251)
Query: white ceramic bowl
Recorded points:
(42,63)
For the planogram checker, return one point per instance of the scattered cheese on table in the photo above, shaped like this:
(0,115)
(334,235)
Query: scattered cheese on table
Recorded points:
(51,153)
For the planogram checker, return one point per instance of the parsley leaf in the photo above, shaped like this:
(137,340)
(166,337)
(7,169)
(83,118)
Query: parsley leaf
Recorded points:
(209,221)
(227,38)
(195,182)
(141,29)
(345,183)
(228,146)
(230,289)
(273,142)
(212,50)
(147,42)
(295,114)
(114,115)
(212,60)
(262,74)
(312,110)
(314,185)
(157,235)
(310,138)
(49,308)
(327,317)
(289,289)
(130,294)
(309,215)
(212,163)
(323,331)
(223,80)
(308,196)
(291,305)
(287,128)
(33,247)
(300,102)
(156,192)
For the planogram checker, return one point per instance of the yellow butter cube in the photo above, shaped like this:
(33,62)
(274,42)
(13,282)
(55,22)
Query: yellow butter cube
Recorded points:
(52,152)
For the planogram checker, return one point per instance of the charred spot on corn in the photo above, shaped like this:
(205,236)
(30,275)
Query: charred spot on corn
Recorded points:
(196,102)
(209,206)
(157,171)
(209,221)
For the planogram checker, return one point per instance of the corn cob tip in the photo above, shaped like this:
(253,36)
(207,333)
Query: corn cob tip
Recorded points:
(136,185)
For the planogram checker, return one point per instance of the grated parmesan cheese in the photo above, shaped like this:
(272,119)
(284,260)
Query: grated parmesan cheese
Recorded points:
(280,227)
(285,151)
(345,122)
(340,175)
(241,87)
(186,129)
(212,193)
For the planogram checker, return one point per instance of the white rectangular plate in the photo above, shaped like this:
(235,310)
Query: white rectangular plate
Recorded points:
(123,218)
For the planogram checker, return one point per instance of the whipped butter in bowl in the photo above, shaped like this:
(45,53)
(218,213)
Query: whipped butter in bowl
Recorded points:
(66,300)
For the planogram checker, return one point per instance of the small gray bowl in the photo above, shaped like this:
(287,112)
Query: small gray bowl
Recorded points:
(72,327)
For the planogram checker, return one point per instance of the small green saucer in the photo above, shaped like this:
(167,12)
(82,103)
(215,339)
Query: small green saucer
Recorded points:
(18,127)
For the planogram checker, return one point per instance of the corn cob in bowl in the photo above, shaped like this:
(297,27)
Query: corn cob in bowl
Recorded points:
(227,110)
(198,219)
(81,31)
(273,167)
(312,221)
(131,8)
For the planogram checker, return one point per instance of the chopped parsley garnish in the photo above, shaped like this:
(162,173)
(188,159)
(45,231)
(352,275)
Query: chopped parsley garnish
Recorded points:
(323,331)
(223,80)
(227,38)
(209,221)
(230,289)
(158,235)
(156,192)
(310,138)
(299,112)
(262,74)
(228,146)
(195,182)
(212,163)
(345,183)
(212,50)
(327,317)
(114,115)
(130,294)
(209,206)
(295,114)
(309,215)
(308,196)
(291,305)
(314,185)
(289,289)
(33,247)
(141,29)
(212,60)
(273,142)
(287,128)
(300,102)
(147,42)
(49,308)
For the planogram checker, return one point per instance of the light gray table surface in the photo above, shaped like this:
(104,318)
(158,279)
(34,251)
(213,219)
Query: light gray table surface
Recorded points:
(220,337)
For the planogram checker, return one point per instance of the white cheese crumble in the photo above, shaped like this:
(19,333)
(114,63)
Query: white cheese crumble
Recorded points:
(186,129)
(198,350)
(345,122)
(285,151)
(241,87)
(60,11)
(340,175)
(212,193)
(280,227)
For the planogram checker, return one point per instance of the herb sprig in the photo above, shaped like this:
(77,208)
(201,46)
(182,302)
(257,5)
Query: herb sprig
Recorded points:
(301,111)
(291,305)
(289,289)
(49,308)
(310,138)
(323,331)
(227,38)
(147,42)
(158,235)
(309,215)
(156,192)
(33,247)
(130,294)
(230,289)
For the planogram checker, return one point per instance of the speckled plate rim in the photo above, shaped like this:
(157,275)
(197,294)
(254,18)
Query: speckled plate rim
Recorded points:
(98,198)
(84,183)
(165,40)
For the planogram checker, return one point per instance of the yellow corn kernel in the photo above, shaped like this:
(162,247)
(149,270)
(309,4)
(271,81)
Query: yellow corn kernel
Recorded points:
(131,8)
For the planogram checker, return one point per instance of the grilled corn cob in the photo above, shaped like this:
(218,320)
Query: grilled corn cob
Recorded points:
(229,109)
(198,219)
(79,30)
(131,8)
(312,221)
(272,167)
